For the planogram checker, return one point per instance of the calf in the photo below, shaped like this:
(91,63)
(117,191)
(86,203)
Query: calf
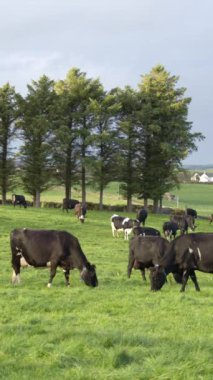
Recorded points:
(145,252)
(41,248)
(170,229)
(185,255)
(69,204)
(19,200)
(80,211)
(120,223)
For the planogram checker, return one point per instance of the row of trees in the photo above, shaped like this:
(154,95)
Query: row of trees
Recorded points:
(74,131)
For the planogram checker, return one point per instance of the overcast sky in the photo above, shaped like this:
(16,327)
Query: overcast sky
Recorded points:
(116,41)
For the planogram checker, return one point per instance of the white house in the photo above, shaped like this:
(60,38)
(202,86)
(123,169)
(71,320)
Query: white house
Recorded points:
(204,178)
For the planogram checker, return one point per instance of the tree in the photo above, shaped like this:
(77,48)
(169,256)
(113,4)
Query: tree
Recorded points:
(8,117)
(167,138)
(36,133)
(128,142)
(105,146)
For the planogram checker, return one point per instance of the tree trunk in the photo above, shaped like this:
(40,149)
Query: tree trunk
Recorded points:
(101,195)
(129,204)
(155,206)
(36,199)
(145,201)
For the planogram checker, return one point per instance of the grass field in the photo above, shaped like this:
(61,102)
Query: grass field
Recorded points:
(119,330)
(198,196)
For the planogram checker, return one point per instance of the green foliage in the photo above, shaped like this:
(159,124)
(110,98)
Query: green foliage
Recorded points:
(119,330)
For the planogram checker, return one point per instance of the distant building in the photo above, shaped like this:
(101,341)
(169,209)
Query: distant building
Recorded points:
(202,178)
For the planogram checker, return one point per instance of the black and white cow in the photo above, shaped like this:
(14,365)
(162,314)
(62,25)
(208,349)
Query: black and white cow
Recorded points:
(19,200)
(185,255)
(41,248)
(145,252)
(121,223)
(170,229)
(142,215)
(69,204)
(145,231)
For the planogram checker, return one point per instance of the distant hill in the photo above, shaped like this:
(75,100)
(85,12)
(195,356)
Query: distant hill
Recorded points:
(198,167)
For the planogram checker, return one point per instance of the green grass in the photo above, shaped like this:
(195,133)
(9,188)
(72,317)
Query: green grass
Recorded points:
(119,330)
(198,196)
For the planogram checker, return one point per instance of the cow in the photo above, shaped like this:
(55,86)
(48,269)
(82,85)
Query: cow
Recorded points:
(69,204)
(19,200)
(80,211)
(145,231)
(184,222)
(211,219)
(145,252)
(41,248)
(185,255)
(142,215)
(120,223)
(170,229)
(191,212)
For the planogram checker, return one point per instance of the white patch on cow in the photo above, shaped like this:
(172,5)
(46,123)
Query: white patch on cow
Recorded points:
(190,250)
(24,263)
(199,253)
(15,278)
(114,216)
(125,220)
(49,285)
(19,251)
(127,232)
(48,264)
(156,265)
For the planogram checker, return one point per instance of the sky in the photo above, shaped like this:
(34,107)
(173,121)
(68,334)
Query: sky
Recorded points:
(116,41)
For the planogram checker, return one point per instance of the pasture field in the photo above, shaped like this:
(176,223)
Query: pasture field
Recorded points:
(117,331)
(198,196)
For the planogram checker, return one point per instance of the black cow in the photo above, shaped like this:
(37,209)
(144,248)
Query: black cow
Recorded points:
(185,254)
(142,215)
(145,231)
(170,229)
(41,248)
(191,212)
(184,223)
(145,252)
(19,200)
(69,204)
(121,223)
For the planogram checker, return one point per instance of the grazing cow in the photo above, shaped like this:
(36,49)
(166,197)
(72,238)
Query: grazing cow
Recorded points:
(184,222)
(185,255)
(69,204)
(120,223)
(145,231)
(41,248)
(145,252)
(170,229)
(19,200)
(80,211)
(142,215)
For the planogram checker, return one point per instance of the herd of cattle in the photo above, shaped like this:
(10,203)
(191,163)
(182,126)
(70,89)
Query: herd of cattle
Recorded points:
(181,255)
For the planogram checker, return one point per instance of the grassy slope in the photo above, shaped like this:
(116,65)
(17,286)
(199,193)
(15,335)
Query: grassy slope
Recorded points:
(119,330)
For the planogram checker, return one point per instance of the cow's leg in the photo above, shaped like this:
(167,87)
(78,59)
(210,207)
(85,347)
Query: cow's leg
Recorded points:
(67,277)
(130,265)
(53,267)
(194,279)
(143,275)
(184,280)
(16,269)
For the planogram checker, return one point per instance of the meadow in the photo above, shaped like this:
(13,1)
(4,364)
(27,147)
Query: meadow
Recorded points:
(119,330)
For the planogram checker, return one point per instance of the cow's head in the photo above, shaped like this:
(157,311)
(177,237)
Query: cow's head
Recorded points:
(88,275)
(157,278)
